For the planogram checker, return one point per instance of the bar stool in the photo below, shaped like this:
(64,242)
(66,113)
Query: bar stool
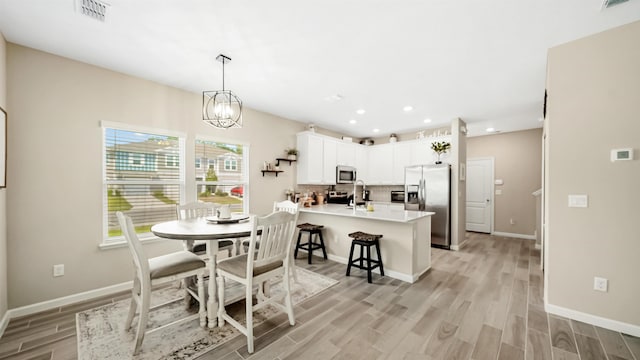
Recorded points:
(365,240)
(309,246)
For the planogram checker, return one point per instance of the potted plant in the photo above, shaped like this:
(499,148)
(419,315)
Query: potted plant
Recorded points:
(292,153)
(440,147)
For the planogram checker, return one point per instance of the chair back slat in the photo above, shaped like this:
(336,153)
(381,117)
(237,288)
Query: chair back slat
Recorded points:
(275,241)
(194,210)
(140,260)
(286,205)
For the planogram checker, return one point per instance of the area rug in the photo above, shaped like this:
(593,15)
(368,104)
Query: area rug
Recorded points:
(101,334)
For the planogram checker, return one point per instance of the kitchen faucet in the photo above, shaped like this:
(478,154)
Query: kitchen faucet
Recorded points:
(355,184)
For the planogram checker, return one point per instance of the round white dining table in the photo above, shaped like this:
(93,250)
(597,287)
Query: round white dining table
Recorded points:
(201,229)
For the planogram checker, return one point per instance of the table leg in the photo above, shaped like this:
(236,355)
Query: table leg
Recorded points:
(212,303)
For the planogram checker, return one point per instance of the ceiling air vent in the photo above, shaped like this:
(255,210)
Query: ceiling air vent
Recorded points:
(609,3)
(93,8)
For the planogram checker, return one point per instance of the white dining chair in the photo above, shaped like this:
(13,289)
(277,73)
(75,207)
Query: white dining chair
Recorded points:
(292,208)
(259,266)
(159,270)
(199,209)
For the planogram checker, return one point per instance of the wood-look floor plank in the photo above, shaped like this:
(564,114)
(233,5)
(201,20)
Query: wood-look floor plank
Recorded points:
(440,340)
(559,354)
(561,335)
(488,344)
(589,348)
(508,352)
(633,343)
(538,345)
(614,344)
(537,319)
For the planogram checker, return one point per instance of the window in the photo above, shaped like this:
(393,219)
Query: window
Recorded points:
(231,165)
(229,185)
(143,177)
(198,163)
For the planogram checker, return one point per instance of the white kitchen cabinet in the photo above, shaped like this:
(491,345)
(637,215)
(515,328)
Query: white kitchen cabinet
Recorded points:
(330,148)
(380,164)
(401,158)
(361,163)
(316,159)
(310,158)
(346,153)
(421,152)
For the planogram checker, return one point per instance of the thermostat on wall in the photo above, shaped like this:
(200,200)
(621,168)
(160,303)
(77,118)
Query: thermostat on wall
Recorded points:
(621,154)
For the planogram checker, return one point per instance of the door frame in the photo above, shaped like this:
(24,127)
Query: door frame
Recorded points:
(493,190)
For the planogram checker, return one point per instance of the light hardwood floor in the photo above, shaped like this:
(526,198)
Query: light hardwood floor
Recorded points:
(483,302)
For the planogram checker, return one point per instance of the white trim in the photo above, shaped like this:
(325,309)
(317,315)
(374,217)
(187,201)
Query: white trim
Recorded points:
(513,235)
(610,324)
(68,300)
(4,322)
(142,129)
(390,273)
(454,247)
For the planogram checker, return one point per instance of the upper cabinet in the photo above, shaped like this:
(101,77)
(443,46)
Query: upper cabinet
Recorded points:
(375,165)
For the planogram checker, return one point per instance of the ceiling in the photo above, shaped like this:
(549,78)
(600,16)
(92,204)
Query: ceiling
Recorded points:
(482,61)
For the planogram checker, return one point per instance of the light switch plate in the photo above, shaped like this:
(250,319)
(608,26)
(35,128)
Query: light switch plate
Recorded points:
(499,182)
(578,201)
(498,191)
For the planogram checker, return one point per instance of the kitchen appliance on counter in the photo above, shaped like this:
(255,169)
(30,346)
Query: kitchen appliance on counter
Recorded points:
(428,188)
(345,174)
(337,197)
(397,196)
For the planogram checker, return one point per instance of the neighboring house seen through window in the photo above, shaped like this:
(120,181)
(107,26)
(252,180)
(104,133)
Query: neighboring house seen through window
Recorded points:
(225,179)
(143,177)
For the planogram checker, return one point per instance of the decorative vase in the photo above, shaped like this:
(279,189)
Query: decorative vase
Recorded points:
(291,157)
(439,162)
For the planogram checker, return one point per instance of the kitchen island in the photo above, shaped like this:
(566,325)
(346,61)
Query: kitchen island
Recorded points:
(406,241)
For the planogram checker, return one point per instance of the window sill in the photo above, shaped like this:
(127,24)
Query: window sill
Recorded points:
(123,243)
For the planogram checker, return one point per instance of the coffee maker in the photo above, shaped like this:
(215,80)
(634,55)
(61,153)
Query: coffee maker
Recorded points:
(365,195)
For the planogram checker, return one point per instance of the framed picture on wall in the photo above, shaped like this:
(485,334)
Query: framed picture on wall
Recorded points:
(3,148)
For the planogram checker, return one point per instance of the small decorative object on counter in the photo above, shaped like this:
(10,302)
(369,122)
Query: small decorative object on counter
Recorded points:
(370,206)
(265,165)
(393,138)
(289,193)
(292,153)
(440,147)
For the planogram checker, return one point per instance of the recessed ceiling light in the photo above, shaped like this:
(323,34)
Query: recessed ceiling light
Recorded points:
(352,121)
(490,129)
(376,130)
(426,121)
(407,108)
(360,111)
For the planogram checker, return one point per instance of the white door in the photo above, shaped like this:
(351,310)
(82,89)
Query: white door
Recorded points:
(479,194)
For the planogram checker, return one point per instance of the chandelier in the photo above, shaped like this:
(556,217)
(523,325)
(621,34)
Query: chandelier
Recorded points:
(222,108)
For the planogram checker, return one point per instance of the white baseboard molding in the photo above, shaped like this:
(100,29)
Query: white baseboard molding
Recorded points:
(610,324)
(4,322)
(67,300)
(513,235)
(390,273)
(459,246)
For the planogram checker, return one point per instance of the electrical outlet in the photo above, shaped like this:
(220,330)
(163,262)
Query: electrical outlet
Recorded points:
(58,270)
(600,284)
(512,222)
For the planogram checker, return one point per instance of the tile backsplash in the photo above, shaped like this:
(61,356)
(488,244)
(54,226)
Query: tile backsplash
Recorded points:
(380,193)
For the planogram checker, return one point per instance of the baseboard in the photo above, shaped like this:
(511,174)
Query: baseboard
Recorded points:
(390,273)
(459,246)
(3,323)
(67,300)
(614,325)
(513,235)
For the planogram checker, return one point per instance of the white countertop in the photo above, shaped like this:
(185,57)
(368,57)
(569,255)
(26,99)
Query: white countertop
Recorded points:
(381,212)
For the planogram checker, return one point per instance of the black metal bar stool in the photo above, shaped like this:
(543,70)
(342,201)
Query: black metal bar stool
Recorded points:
(312,229)
(365,240)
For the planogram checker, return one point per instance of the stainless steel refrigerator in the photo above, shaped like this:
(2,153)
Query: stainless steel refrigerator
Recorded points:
(428,188)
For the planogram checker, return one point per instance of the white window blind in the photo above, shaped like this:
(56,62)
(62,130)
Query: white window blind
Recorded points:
(143,177)
(225,179)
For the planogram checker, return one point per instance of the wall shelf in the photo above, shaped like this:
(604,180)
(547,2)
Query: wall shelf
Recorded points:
(284,159)
(271,171)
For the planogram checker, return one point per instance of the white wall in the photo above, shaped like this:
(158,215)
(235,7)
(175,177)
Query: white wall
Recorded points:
(593,90)
(3,192)
(55,164)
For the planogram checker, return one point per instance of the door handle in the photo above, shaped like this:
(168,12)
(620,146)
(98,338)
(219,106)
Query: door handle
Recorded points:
(488,201)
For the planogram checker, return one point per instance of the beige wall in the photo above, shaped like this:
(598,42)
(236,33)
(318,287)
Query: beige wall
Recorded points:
(3,192)
(593,90)
(55,166)
(517,161)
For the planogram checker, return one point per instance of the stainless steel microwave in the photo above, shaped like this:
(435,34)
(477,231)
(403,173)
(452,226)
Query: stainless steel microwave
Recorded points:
(345,174)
